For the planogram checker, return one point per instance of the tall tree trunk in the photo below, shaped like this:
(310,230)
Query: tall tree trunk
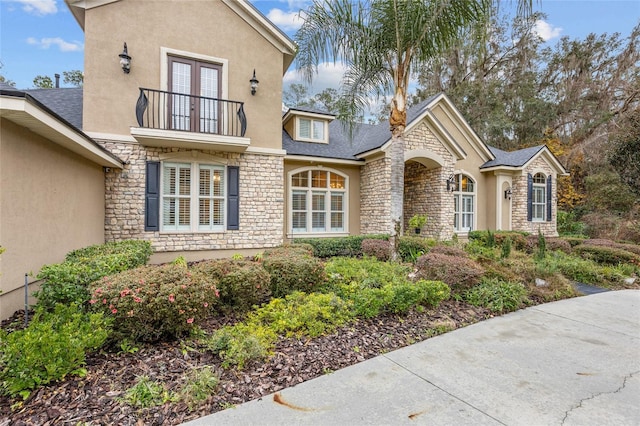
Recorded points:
(397,123)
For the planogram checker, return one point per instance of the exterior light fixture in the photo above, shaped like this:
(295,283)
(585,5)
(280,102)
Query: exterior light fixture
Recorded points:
(125,60)
(451,183)
(254,83)
(507,194)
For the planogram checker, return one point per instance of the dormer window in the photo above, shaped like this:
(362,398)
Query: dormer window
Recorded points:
(311,130)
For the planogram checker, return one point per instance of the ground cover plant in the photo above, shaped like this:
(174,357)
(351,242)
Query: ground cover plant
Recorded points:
(250,340)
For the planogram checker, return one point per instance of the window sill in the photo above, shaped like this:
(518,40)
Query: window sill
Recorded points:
(316,234)
(221,231)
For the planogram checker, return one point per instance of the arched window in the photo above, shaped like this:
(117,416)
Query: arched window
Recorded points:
(464,203)
(318,201)
(539,198)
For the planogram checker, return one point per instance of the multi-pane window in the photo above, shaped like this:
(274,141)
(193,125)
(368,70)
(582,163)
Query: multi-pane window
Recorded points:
(318,202)
(313,130)
(464,203)
(539,200)
(193,197)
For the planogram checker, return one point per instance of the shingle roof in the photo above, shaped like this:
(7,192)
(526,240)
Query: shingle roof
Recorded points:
(65,102)
(366,137)
(511,159)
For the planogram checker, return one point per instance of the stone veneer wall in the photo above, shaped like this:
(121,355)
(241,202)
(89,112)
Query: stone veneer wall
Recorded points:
(519,220)
(425,190)
(375,197)
(261,202)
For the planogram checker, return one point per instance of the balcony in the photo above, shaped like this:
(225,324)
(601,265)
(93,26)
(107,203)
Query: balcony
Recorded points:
(177,120)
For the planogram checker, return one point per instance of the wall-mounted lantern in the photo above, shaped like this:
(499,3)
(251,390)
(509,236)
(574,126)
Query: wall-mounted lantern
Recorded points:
(125,60)
(507,194)
(451,183)
(254,83)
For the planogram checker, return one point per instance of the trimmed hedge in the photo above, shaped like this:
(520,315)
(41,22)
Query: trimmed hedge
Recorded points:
(241,284)
(459,272)
(340,246)
(606,255)
(67,282)
(292,268)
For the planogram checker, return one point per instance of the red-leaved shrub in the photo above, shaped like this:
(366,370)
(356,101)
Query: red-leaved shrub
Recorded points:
(460,273)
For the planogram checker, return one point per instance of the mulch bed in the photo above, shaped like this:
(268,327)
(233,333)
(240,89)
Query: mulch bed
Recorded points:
(94,399)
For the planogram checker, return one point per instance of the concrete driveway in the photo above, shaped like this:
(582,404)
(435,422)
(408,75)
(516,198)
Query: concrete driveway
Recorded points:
(572,362)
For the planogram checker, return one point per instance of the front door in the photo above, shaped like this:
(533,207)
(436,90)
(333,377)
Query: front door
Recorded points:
(194,102)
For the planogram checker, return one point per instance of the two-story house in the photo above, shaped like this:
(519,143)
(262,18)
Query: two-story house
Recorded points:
(178,137)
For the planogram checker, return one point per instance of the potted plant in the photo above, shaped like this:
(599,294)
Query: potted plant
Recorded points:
(417,222)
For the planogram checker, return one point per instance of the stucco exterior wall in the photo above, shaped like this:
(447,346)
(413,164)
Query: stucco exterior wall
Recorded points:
(51,202)
(353,194)
(208,28)
(261,202)
(519,201)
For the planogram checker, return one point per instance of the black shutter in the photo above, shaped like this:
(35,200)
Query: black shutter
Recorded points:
(152,197)
(529,197)
(549,198)
(233,197)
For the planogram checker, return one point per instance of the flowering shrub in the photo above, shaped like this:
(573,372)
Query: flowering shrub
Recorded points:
(460,273)
(380,249)
(291,270)
(152,303)
(242,284)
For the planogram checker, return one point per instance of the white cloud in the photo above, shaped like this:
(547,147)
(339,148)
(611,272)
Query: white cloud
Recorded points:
(39,7)
(64,46)
(545,30)
(287,21)
(329,75)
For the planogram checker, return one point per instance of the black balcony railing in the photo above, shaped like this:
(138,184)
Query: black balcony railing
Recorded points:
(157,109)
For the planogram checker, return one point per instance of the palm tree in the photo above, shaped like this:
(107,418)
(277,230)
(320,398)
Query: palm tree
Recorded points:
(382,42)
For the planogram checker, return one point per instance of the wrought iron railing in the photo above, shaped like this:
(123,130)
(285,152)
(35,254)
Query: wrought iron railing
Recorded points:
(157,109)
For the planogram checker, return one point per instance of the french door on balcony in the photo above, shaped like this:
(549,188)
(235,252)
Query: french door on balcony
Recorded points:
(195,88)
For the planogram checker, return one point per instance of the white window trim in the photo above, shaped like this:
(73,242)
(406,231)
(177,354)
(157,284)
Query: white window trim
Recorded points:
(459,194)
(309,190)
(312,120)
(543,188)
(194,227)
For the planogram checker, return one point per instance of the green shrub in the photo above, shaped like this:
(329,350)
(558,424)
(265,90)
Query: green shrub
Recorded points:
(568,225)
(518,238)
(241,284)
(341,246)
(240,343)
(298,249)
(302,314)
(366,272)
(460,273)
(449,250)
(633,248)
(506,248)
(147,393)
(411,248)
(422,292)
(606,255)
(200,383)
(375,287)
(542,246)
(499,296)
(67,282)
(292,271)
(380,249)
(587,271)
(154,302)
(51,347)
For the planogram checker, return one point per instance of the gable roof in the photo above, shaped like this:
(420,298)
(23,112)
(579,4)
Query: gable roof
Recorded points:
(56,116)
(366,137)
(520,158)
(242,8)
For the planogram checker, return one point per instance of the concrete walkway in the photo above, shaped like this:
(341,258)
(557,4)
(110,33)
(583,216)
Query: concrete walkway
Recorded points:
(573,362)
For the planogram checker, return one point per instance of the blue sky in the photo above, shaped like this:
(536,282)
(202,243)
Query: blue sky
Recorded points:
(41,37)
